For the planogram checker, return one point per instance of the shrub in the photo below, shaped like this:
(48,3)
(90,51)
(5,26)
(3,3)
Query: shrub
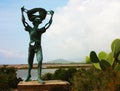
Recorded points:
(96,80)
(8,78)
(60,74)
(64,74)
(47,76)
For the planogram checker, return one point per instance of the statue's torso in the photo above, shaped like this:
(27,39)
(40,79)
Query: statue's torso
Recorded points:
(35,34)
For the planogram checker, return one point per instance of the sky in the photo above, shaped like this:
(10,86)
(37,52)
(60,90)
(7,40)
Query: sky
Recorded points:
(79,26)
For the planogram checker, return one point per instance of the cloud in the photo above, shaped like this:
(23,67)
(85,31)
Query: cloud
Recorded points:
(11,56)
(11,53)
(82,26)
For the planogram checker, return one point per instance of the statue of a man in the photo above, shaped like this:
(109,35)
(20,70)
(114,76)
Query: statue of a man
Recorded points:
(35,36)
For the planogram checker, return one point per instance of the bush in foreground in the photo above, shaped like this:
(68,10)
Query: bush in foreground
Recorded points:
(96,80)
(8,78)
(61,74)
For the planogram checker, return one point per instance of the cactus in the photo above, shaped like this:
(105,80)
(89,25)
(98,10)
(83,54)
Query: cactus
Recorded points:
(111,60)
(93,57)
(88,59)
(115,47)
(102,55)
(99,62)
(104,65)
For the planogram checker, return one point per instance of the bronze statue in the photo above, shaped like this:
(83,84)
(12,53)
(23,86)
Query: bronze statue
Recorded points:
(35,36)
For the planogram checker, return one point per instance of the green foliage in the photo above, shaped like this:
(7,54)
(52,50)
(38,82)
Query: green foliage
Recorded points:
(100,60)
(110,58)
(105,61)
(104,65)
(117,67)
(47,76)
(8,78)
(115,46)
(88,79)
(96,80)
(97,66)
(60,74)
(64,74)
(3,82)
(102,55)
(93,57)
(88,59)
(82,80)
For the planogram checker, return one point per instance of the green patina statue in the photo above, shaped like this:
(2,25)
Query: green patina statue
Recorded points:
(35,36)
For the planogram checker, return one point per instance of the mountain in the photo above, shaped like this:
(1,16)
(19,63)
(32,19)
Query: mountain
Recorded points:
(60,61)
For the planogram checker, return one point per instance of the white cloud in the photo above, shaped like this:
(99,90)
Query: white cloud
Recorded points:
(11,53)
(12,57)
(82,26)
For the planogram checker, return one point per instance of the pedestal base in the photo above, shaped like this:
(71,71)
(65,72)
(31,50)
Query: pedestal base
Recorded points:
(50,85)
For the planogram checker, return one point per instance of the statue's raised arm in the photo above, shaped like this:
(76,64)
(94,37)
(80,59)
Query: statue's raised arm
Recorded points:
(50,21)
(23,17)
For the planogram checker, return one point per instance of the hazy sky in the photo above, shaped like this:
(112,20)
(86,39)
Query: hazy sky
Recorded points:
(79,26)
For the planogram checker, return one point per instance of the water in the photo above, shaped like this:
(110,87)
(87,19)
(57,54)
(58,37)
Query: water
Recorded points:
(22,73)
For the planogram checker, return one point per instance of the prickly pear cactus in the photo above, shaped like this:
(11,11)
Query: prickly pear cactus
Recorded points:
(93,57)
(99,61)
(104,65)
(104,61)
(115,46)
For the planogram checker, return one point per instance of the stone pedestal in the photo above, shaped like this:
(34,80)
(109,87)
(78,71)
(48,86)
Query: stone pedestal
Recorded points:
(50,85)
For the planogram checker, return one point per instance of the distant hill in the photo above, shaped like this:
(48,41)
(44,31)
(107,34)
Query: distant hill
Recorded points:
(59,61)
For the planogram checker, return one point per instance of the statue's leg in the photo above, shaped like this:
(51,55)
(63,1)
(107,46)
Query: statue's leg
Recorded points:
(30,62)
(39,57)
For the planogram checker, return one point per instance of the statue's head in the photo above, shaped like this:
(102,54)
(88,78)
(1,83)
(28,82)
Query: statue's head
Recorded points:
(37,21)
(39,17)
